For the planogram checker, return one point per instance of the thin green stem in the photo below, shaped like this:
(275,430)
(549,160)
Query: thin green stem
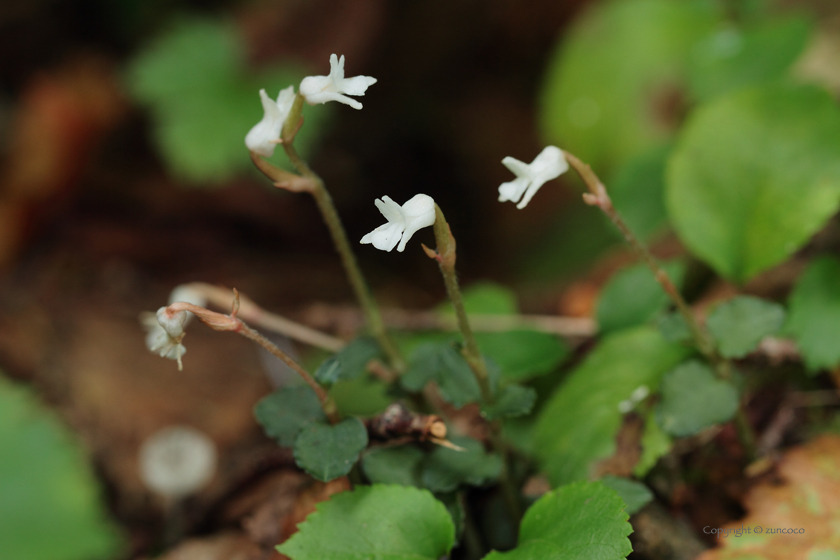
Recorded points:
(597,196)
(446,255)
(339,236)
(323,397)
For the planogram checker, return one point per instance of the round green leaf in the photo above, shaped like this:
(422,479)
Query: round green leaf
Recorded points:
(379,521)
(283,413)
(739,324)
(814,318)
(611,85)
(693,399)
(329,451)
(581,521)
(755,174)
(49,500)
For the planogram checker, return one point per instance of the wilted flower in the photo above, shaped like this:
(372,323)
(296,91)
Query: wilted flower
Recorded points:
(549,165)
(165,331)
(177,461)
(320,89)
(265,135)
(403,221)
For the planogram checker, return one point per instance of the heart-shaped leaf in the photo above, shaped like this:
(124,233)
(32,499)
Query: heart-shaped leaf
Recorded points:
(283,413)
(329,451)
(738,325)
(693,399)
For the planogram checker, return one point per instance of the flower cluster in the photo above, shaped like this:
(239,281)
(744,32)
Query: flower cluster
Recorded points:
(265,135)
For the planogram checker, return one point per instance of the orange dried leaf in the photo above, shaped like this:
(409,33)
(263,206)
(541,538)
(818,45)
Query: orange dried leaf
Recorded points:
(808,501)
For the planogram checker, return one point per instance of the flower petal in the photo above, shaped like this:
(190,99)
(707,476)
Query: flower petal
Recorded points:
(391,210)
(385,237)
(518,168)
(513,190)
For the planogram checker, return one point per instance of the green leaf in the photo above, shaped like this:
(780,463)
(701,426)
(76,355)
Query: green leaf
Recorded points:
(363,396)
(732,58)
(578,424)
(814,319)
(655,444)
(581,521)
(486,298)
(440,362)
(329,372)
(745,200)
(739,324)
(672,327)
(523,354)
(379,521)
(638,191)
(512,401)
(443,470)
(203,103)
(355,356)
(634,297)
(635,494)
(283,413)
(610,87)
(393,465)
(50,507)
(693,399)
(329,451)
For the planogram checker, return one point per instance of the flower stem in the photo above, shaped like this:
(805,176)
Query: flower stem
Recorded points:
(339,235)
(232,323)
(597,196)
(446,255)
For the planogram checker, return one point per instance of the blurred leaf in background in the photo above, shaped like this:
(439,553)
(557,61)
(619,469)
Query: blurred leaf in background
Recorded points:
(755,174)
(203,101)
(730,58)
(615,86)
(49,500)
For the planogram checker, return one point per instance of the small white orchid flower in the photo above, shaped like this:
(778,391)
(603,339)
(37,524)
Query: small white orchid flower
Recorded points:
(265,135)
(164,333)
(320,89)
(403,221)
(550,164)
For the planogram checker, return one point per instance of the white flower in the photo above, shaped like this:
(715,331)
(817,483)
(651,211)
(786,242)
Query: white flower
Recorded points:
(550,164)
(165,332)
(177,461)
(403,221)
(264,137)
(320,89)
